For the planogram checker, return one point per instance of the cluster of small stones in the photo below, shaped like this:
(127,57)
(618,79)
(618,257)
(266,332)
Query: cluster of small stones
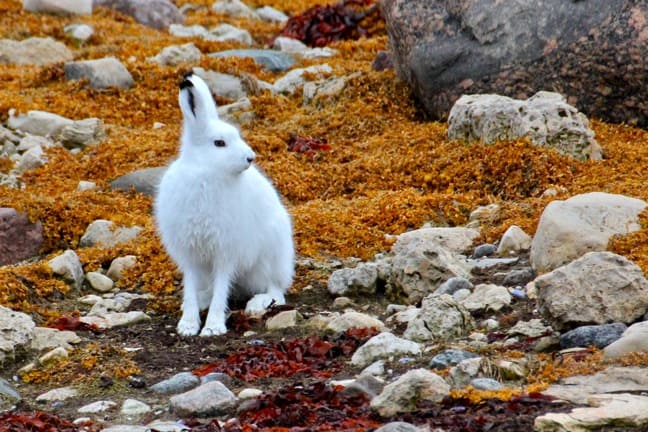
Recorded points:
(432,267)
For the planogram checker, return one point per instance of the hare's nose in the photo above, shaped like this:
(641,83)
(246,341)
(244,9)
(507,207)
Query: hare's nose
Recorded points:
(250,159)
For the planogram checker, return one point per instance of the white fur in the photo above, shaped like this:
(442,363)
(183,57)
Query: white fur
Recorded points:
(220,219)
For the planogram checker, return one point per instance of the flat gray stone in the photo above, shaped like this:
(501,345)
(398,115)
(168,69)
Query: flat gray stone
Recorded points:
(101,73)
(272,60)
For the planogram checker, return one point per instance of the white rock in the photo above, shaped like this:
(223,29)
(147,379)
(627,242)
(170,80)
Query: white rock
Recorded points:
(615,379)
(53,356)
(455,239)
(463,372)
(598,288)
(511,369)
(175,54)
(134,408)
(34,50)
(47,338)
(583,223)
(359,280)
(86,185)
(324,90)
(234,9)
(99,282)
(163,426)
(187,31)
(116,319)
(16,333)
(229,33)
(101,73)
(353,319)
(221,84)
(105,233)
(38,123)
(488,297)
(58,394)
(119,265)
(402,395)
(633,340)
(294,79)
(514,241)
(289,45)
(625,410)
(249,393)
(532,329)
(29,141)
(97,407)
(545,118)
(32,158)
(79,7)
(126,428)
(376,368)
(267,13)
(383,345)
(404,316)
(419,268)
(317,53)
(80,32)
(68,266)
(283,320)
(208,400)
(440,317)
(82,133)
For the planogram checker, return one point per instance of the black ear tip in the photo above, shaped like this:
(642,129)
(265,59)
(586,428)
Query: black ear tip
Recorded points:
(186,82)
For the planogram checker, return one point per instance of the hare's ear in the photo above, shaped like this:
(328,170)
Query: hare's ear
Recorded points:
(195,99)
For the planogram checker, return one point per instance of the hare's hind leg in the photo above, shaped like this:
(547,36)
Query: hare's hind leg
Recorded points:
(194,283)
(215,322)
(260,302)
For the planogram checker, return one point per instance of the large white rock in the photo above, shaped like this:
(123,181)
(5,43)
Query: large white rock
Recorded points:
(105,233)
(598,288)
(615,379)
(80,7)
(420,268)
(39,123)
(208,400)
(545,118)
(627,411)
(229,33)
(583,223)
(294,79)
(234,9)
(16,333)
(402,395)
(175,54)
(633,340)
(48,338)
(440,317)
(221,84)
(101,73)
(34,50)
(383,345)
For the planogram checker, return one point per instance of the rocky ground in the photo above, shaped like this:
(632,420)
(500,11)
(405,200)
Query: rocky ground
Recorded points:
(488,314)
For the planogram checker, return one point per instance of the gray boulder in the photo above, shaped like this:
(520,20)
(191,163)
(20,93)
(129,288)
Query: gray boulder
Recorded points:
(583,223)
(36,51)
(19,238)
(208,400)
(599,336)
(143,181)
(158,14)
(101,73)
(81,7)
(598,288)
(590,51)
(16,333)
(440,317)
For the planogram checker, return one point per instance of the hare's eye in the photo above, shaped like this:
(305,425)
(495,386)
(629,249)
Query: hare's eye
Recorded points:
(219,143)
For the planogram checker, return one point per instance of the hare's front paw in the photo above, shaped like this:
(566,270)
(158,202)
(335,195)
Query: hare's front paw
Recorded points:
(188,327)
(214,330)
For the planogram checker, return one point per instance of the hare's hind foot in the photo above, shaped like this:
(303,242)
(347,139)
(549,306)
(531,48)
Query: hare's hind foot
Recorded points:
(260,302)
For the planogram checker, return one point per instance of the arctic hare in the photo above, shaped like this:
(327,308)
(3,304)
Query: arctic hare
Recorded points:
(220,218)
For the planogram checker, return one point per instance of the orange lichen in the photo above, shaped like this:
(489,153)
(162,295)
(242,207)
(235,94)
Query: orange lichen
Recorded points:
(84,365)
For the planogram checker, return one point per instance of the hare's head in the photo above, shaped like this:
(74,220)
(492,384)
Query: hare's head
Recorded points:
(206,139)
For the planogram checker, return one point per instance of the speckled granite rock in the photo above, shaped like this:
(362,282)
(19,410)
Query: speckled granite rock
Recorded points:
(593,52)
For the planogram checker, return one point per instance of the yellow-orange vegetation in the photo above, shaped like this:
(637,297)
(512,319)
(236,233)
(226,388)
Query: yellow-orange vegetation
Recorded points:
(85,364)
(389,170)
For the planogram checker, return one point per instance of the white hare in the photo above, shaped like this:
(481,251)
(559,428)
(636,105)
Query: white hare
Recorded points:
(220,218)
